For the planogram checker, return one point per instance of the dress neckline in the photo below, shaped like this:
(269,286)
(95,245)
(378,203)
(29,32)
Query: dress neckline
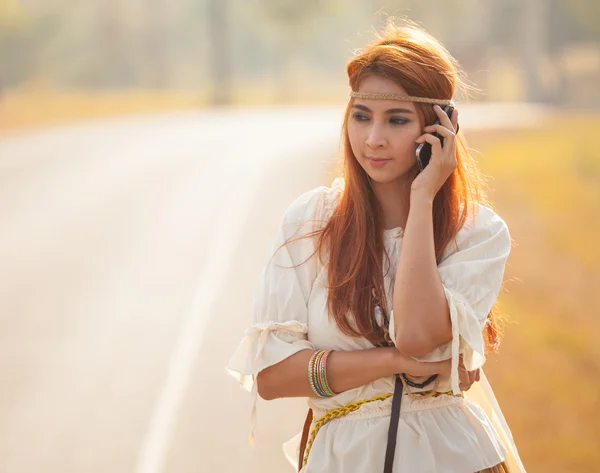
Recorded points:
(396,232)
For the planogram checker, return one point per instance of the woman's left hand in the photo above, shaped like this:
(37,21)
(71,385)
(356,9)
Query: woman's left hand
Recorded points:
(443,159)
(466,378)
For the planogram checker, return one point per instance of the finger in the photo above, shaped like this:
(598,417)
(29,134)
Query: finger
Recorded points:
(455,126)
(434,141)
(461,363)
(442,130)
(444,120)
(463,378)
(472,376)
(465,386)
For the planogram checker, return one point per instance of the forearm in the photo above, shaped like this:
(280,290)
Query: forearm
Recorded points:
(421,314)
(345,370)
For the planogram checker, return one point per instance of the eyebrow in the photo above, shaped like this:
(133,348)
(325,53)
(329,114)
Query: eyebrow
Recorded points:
(391,110)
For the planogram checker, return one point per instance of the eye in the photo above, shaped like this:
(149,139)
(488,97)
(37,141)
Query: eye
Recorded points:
(398,120)
(359,117)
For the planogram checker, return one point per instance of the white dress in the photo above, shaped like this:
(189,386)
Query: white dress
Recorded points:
(445,434)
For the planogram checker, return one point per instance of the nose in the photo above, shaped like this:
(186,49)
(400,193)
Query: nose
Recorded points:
(375,138)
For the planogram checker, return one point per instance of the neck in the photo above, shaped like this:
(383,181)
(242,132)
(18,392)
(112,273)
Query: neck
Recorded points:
(394,198)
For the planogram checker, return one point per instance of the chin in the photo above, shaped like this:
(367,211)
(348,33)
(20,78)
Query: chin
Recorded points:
(383,178)
(386,177)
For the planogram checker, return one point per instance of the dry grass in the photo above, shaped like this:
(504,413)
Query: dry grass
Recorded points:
(547,376)
(38,106)
(21,110)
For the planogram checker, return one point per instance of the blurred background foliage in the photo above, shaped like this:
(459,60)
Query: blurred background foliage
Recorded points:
(229,51)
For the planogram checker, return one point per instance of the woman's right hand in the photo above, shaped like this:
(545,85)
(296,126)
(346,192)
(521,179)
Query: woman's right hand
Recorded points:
(420,369)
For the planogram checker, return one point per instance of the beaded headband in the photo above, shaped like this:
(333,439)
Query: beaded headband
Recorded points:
(404,98)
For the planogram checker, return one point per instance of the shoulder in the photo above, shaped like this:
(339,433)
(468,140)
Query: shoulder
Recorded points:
(314,207)
(307,213)
(481,218)
(483,228)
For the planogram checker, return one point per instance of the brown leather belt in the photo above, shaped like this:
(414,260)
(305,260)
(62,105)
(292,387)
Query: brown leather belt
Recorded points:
(304,438)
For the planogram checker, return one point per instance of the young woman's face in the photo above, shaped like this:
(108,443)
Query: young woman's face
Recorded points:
(384,129)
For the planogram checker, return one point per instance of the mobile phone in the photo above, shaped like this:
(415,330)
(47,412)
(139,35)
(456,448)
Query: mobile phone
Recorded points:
(423,151)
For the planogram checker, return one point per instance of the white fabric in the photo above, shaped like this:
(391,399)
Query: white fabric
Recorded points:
(444,434)
(481,393)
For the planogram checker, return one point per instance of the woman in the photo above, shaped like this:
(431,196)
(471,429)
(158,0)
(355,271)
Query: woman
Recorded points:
(377,302)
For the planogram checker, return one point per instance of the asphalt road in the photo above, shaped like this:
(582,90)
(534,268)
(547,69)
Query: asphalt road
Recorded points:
(130,252)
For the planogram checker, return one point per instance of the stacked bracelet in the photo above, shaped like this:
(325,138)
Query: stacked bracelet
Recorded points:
(317,374)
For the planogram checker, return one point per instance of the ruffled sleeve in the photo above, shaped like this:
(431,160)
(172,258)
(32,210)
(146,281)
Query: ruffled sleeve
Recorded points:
(471,271)
(280,317)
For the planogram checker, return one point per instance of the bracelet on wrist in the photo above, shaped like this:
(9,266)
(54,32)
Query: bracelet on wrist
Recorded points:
(317,374)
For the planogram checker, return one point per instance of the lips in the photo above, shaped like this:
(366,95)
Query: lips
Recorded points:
(378,162)
(375,160)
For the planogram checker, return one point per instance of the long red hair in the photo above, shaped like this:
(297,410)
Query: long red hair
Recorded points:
(353,235)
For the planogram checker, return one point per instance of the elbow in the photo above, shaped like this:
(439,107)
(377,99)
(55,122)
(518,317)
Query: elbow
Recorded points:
(264,386)
(413,346)
(418,341)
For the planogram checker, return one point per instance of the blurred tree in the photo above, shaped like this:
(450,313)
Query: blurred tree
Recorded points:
(586,14)
(577,20)
(533,35)
(114,65)
(570,23)
(156,43)
(220,56)
(15,37)
(12,14)
(291,12)
(291,21)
